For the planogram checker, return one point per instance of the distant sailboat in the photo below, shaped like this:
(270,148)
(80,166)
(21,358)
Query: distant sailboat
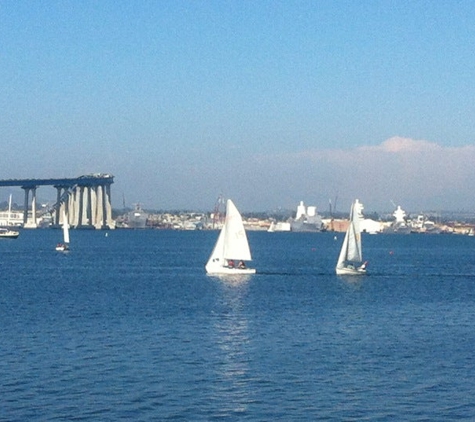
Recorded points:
(350,261)
(65,245)
(231,247)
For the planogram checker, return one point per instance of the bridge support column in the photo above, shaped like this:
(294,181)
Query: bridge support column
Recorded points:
(33,208)
(104,206)
(97,207)
(81,206)
(71,211)
(32,222)
(107,222)
(25,206)
(58,198)
(72,208)
(88,206)
(63,207)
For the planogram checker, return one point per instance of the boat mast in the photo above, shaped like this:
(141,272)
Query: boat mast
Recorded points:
(217,214)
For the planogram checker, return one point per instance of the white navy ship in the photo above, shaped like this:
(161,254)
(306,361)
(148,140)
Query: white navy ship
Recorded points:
(137,219)
(399,225)
(306,219)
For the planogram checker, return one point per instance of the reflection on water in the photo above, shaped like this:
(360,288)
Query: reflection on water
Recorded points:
(231,280)
(231,338)
(353,280)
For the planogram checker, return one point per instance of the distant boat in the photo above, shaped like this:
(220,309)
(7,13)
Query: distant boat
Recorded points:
(8,234)
(399,226)
(279,226)
(137,219)
(306,219)
(62,247)
(350,261)
(232,248)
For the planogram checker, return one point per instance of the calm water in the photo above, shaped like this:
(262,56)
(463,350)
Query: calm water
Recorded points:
(129,327)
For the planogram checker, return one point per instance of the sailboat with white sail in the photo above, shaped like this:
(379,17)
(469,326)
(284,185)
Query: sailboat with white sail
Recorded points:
(232,248)
(62,247)
(350,261)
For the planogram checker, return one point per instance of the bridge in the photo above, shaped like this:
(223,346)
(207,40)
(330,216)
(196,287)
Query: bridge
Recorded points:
(86,200)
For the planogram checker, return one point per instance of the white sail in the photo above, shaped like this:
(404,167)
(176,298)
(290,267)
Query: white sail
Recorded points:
(232,245)
(351,255)
(343,252)
(236,245)
(216,260)
(354,245)
(65,228)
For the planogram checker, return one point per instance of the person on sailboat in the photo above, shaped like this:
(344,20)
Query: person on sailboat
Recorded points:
(231,263)
(241,265)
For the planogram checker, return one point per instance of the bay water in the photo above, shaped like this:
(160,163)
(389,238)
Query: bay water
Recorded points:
(127,326)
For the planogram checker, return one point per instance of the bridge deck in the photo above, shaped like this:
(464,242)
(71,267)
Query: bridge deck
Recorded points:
(87,180)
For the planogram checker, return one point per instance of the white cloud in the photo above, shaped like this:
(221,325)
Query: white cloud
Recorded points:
(418,175)
(401,145)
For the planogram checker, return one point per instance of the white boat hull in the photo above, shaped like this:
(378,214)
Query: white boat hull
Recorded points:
(10,234)
(230,271)
(350,271)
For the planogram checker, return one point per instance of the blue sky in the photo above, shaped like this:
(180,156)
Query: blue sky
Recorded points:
(267,102)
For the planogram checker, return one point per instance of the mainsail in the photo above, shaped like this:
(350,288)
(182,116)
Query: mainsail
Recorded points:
(235,245)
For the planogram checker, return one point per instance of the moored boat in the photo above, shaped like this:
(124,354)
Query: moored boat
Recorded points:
(8,233)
